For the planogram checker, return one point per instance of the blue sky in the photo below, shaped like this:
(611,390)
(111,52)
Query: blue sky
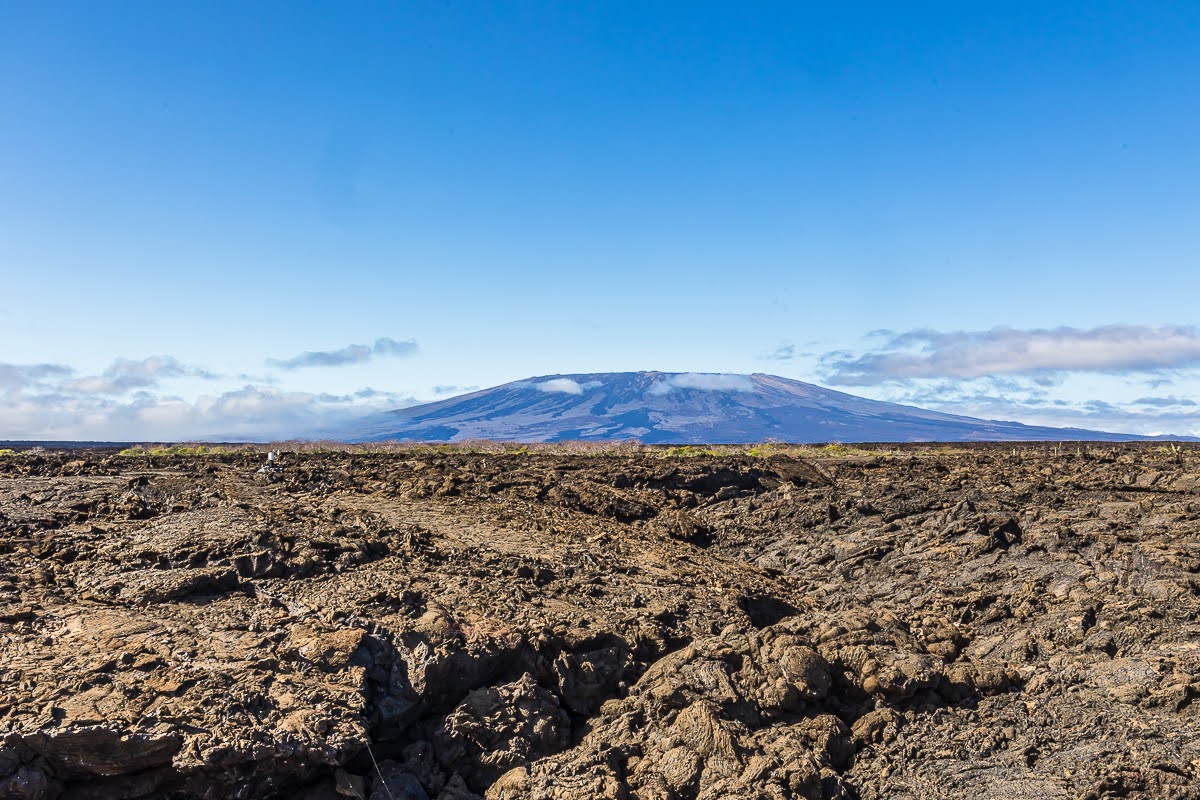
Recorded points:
(987,208)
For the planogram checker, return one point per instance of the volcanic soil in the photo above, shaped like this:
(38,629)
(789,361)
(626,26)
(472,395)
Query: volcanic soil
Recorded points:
(982,622)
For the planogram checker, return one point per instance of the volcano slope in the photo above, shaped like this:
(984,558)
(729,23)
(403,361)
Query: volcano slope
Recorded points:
(983,622)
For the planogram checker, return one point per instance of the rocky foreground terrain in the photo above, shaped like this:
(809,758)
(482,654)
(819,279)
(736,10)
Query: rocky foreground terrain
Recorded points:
(983,622)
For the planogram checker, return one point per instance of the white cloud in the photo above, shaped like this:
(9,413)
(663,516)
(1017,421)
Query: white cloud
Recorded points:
(565,386)
(970,354)
(705,381)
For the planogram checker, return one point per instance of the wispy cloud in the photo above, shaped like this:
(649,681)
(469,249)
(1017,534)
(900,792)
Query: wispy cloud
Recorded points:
(348,355)
(785,352)
(709,382)
(20,375)
(924,353)
(806,350)
(126,375)
(452,389)
(1171,401)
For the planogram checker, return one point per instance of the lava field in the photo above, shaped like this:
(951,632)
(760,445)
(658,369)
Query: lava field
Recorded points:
(979,621)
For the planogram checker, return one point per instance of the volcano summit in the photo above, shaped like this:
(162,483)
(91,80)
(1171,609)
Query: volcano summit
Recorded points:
(686,408)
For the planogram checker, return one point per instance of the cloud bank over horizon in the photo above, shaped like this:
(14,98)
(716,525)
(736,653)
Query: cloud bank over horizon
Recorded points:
(140,400)
(1042,376)
(927,353)
(1015,400)
(62,410)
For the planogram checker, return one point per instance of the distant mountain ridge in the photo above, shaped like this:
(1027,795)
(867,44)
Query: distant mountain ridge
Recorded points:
(687,408)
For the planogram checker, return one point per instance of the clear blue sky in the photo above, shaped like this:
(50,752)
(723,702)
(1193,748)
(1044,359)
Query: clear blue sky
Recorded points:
(529,188)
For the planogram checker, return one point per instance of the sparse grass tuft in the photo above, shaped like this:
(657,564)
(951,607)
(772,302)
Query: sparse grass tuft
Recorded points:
(1175,450)
(7,452)
(589,449)
(688,451)
(625,448)
(765,449)
(186,450)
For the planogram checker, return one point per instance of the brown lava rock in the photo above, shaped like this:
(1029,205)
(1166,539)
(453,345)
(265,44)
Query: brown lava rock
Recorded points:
(982,621)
